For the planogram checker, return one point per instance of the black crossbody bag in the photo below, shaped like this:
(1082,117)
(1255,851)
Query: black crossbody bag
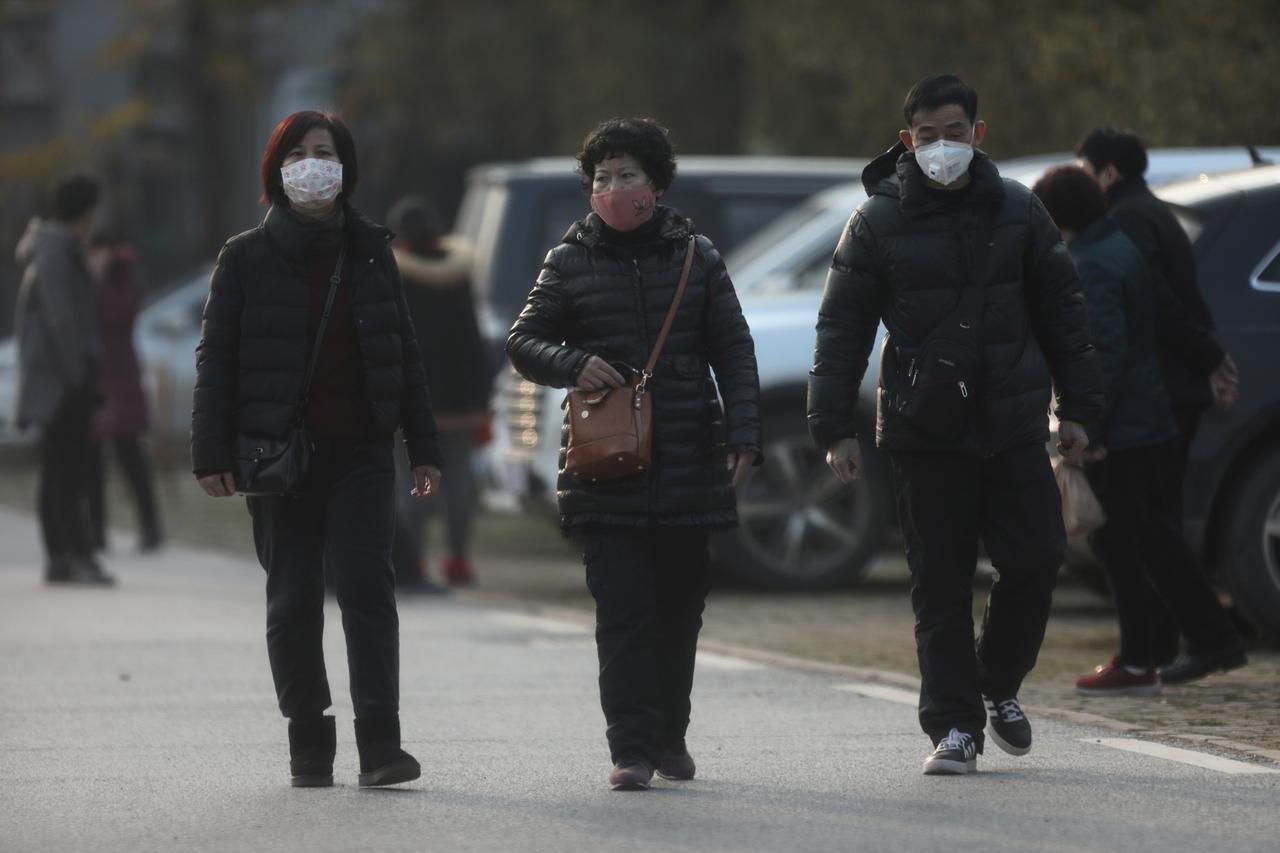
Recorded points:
(282,465)
(939,379)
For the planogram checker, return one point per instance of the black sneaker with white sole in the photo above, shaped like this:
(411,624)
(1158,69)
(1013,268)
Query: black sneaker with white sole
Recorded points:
(955,755)
(1008,725)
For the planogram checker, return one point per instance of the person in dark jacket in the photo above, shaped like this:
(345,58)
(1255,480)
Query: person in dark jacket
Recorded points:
(1197,372)
(122,420)
(1141,545)
(594,315)
(59,363)
(266,299)
(939,220)
(437,274)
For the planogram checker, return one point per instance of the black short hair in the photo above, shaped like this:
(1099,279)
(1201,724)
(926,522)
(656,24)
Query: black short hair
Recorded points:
(417,221)
(288,134)
(73,196)
(1110,146)
(1072,196)
(938,90)
(642,138)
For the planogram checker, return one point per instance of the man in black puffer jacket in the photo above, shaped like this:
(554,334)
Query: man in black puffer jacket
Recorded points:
(906,258)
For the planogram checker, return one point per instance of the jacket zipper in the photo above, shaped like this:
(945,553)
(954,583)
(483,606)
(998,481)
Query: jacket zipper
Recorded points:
(644,328)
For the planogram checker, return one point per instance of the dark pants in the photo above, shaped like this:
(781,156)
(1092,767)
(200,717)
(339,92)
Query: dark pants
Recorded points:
(650,585)
(947,502)
(1143,549)
(347,522)
(133,461)
(1173,470)
(458,493)
(62,489)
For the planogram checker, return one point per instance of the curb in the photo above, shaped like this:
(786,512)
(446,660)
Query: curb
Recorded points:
(1208,743)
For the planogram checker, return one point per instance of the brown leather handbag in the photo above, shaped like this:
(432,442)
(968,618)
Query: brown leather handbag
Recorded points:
(611,430)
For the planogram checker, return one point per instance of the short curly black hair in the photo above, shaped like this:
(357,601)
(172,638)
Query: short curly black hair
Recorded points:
(1072,196)
(642,138)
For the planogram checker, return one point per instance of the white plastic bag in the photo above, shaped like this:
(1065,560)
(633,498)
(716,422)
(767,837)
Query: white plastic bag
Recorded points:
(1081,511)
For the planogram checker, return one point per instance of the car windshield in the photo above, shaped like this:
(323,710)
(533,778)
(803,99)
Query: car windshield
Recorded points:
(771,234)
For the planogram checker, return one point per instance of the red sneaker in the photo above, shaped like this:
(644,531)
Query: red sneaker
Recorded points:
(458,571)
(1112,679)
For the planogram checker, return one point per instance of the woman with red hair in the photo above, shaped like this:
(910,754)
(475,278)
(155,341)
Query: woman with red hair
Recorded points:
(306,320)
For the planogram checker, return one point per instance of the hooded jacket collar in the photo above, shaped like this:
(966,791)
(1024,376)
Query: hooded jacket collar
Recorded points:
(1128,188)
(364,237)
(1096,231)
(673,227)
(896,174)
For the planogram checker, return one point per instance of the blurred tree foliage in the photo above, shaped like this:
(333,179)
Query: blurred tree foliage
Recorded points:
(443,83)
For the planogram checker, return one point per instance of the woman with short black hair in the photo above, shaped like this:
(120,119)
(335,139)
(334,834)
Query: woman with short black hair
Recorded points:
(270,297)
(591,322)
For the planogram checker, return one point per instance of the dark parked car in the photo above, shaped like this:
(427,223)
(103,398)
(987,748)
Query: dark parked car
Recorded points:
(1233,482)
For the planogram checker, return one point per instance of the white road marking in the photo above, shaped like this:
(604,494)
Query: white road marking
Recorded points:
(540,623)
(711,660)
(881,691)
(1183,756)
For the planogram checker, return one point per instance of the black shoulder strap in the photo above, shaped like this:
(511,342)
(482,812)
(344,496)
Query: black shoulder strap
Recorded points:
(324,322)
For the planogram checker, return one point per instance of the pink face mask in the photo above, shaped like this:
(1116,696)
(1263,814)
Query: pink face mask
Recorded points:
(625,210)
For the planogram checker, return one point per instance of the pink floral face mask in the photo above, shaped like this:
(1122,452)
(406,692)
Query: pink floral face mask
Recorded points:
(625,210)
(312,182)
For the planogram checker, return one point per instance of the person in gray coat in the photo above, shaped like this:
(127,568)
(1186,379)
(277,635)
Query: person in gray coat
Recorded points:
(59,362)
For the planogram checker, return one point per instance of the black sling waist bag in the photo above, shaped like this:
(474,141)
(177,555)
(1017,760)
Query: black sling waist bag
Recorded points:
(938,381)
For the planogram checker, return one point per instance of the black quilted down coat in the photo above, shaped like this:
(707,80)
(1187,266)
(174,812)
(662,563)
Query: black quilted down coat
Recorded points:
(253,344)
(904,258)
(595,297)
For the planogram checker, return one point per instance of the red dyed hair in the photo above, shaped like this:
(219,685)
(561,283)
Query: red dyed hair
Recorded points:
(288,134)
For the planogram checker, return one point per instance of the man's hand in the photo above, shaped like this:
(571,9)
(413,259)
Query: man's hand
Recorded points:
(845,459)
(426,481)
(740,463)
(1224,382)
(1072,442)
(597,374)
(220,485)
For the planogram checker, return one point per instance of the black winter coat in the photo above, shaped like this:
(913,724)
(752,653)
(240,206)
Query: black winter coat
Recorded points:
(1188,350)
(1118,292)
(253,344)
(596,298)
(904,258)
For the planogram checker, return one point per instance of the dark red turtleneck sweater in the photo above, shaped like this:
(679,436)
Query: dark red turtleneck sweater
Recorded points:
(338,407)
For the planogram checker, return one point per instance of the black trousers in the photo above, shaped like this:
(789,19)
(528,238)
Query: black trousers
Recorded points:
(1143,549)
(136,466)
(62,488)
(947,502)
(650,585)
(347,521)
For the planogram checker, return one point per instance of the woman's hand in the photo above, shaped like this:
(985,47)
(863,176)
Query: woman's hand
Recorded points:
(426,481)
(597,374)
(740,463)
(220,485)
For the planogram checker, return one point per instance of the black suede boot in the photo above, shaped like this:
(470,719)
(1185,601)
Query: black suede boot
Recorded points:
(382,761)
(312,744)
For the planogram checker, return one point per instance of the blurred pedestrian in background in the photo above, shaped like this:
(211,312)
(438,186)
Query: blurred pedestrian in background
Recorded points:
(437,286)
(1141,545)
(59,364)
(269,293)
(593,316)
(122,420)
(1197,372)
(985,319)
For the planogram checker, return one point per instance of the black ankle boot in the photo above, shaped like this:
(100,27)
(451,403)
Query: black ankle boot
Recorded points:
(312,744)
(382,761)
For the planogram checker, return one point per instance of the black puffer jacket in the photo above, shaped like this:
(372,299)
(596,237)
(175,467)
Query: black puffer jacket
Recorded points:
(904,258)
(253,344)
(597,298)
(1188,350)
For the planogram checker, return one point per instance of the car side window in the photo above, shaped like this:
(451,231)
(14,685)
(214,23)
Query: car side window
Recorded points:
(1268,275)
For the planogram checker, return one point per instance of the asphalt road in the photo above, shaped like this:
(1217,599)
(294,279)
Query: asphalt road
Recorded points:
(142,719)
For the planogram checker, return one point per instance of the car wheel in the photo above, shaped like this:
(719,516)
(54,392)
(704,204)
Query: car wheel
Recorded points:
(1249,552)
(799,527)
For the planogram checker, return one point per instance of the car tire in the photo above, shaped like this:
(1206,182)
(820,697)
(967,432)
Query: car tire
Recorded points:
(799,527)
(1248,555)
